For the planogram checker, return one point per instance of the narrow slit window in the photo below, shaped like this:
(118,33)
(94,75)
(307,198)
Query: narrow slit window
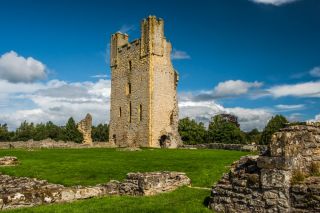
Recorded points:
(128,89)
(140,112)
(120,112)
(130,112)
(130,66)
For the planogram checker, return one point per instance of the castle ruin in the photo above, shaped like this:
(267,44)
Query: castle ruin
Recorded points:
(144,108)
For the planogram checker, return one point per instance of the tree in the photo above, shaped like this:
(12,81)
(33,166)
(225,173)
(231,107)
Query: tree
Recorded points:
(71,133)
(274,125)
(100,133)
(24,132)
(4,133)
(221,130)
(192,132)
(253,136)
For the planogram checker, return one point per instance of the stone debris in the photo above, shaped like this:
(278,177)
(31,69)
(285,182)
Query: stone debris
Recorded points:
(16,192)
(85,127)
(264,183)
(9,161)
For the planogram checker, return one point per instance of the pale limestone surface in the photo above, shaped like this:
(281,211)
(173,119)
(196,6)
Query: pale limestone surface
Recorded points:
(85,127)
(17,192)
(144,108)
(264,183)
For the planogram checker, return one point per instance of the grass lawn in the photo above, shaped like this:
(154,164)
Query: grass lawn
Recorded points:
(93,166)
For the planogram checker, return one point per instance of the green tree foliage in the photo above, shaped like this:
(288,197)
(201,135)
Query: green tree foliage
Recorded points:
(24,132)
(100,133)
(274,125)
(4,133)
(221,130)
(192,132)
(71,133)
(254,136)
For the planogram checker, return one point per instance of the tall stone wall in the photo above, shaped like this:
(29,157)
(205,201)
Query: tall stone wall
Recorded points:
(267,183)
(144,109)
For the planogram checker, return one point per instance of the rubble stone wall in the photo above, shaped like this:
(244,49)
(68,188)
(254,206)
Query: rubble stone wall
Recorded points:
(16,192)
(49,143)
(265,183)
(85,127)
(237,147)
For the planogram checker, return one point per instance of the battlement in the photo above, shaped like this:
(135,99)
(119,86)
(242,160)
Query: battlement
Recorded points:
(151,41)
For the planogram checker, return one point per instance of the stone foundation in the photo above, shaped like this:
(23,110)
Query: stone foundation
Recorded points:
(16,192)
(8,161)
(50,144)
(265,183)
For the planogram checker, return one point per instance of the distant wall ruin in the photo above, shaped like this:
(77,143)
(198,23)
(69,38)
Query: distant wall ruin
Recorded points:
(85,127)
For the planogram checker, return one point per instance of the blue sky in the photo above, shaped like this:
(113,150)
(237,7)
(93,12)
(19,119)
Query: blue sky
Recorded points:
(251,58)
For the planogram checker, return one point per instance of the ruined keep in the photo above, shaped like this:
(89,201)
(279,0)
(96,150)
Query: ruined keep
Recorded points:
(144,108)
(284,179)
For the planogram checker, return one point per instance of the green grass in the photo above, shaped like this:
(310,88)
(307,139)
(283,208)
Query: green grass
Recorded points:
(93,166)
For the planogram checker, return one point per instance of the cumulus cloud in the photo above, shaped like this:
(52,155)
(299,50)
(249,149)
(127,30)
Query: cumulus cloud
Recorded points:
(273,2)
(204,110)
(315,72)
(234,88)
(307,89)
(56,101)
(179,55)
(15,68)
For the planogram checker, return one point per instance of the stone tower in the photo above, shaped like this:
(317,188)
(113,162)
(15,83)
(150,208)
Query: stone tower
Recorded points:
(144,109)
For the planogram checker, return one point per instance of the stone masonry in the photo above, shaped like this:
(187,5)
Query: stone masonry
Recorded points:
(144,108)
(8,161)
(17,192)
(266,183)
(85,127)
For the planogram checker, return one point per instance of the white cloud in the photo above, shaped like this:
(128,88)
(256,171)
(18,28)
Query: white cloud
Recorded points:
(290,107)
(234,88)
(204,110)
(15,68)
(56,101)
(307,89)
(274,2)
(179,55)
(127,28)
(315,72)
(100,76)
(315,119)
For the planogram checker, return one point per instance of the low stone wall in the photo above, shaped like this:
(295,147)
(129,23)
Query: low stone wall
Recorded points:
(265,183)
(48,143)
(237,147)
(17,192)
(8,161)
